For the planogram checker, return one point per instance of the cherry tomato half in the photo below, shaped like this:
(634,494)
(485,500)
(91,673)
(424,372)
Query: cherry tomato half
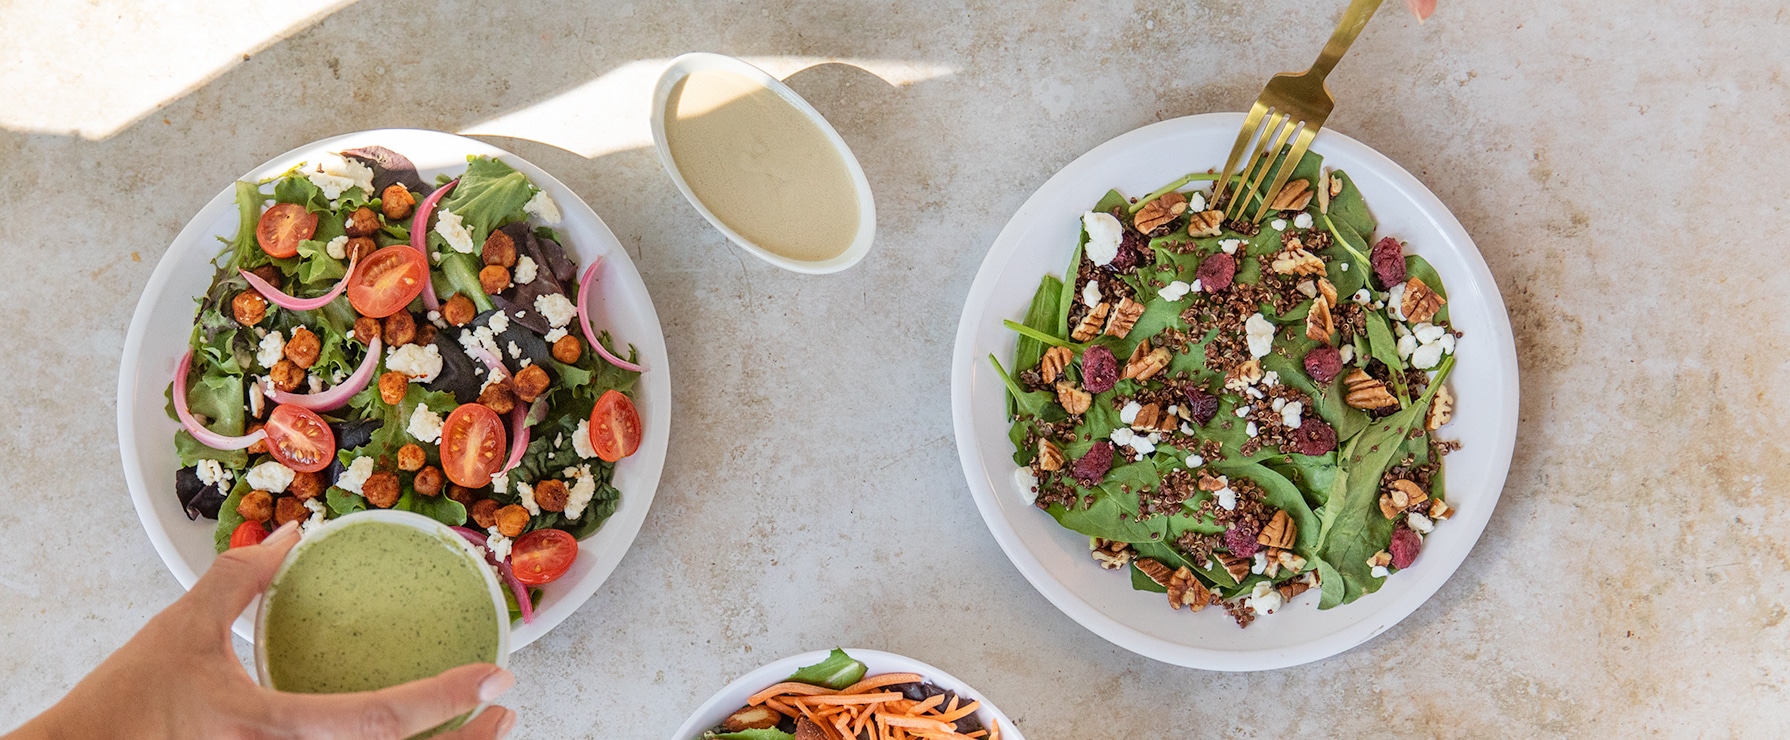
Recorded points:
(542,556)
(614,427)
(298,438)
(472,445)
(282,227)
(246,534)
(387,281)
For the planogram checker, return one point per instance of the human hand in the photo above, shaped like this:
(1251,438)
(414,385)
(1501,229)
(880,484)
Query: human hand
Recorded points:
(179,678)
(1423,8)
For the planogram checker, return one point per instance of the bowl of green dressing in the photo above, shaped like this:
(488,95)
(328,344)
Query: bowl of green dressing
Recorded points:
(377,599)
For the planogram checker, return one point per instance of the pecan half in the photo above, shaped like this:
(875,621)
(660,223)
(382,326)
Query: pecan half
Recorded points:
(1145,362)
(1185,590)
(1440,510)
(1160,211)
(1236,566)
(1123,318)
(1205,223)
(1050,457)
(1155,570)
(1245,374)
(1319,326)
(1111,555)
(1210,484)
(1053,362)
(1328,290)
(1406,494)
(1363,391)
(1421,303)
(1091,323)
(1294,197)
(1293,588)
(1441,409)
(1075,400)
(1149,418)
(1280,532)
(1296,261)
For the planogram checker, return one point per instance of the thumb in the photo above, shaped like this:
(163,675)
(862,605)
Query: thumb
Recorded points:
(396,712)
(239,575)
(1422,8)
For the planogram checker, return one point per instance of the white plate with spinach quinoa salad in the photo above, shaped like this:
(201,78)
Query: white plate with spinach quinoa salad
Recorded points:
(1227,444)
(403,320)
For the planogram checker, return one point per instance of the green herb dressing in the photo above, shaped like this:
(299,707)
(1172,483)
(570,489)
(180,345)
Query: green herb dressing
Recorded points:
(375,605)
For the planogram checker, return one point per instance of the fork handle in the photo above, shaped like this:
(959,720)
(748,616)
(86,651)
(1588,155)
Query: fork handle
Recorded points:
(1353,20)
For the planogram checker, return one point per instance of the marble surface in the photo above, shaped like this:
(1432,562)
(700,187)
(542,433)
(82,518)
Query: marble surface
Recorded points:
(1617,162)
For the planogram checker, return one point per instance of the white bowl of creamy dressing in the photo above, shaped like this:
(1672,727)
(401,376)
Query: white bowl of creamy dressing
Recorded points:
(761,164)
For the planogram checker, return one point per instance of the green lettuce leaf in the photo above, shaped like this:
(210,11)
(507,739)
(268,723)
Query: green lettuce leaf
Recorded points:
(836,672)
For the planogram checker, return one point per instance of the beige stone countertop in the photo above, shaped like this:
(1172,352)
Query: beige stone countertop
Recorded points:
(1620,165)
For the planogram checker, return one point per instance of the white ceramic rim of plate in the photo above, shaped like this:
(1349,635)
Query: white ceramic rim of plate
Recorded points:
(733,696)
(421,523)
(637,477)
(698,61)
(1490,410)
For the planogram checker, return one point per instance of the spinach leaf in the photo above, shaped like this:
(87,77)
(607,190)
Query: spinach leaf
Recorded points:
(1042,316)
(1141,582)
(836,672)
(1032,403)
(1418,267)
(1348,210)
(1384,346)
(1279,493)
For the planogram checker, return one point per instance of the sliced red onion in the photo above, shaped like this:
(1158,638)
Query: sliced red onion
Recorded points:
(504,572)
(205,436)
(274,296)
(419,238)
(518,415)
(338,396)
(584,285)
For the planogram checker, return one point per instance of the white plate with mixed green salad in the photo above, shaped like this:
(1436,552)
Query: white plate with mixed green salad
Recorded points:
(1228,444)
(405,320)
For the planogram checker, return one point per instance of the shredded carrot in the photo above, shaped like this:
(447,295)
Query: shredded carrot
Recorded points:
(788,687)
(834,699)
(952,715)
(928,705)
(879,681)
(858,711)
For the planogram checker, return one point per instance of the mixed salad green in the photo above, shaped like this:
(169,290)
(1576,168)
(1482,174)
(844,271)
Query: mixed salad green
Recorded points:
(1237,412)
(374,341)
(835,700)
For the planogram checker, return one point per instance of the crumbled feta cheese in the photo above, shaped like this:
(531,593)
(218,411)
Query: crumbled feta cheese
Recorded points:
(337,248)
(1227,498)
(1194,287)
(270,476)
(356,475)
(1379,571)
(1174,410)
(453,228)
(1194,461)
(1270,379)
(1347,353)
(1395,301)
(1406,345)
(541,206)
(1230,246)
(1307,288)
(1255,392)
(1427,332)
(1027,483)
(425,425)
(555,335)
(526,361)
(525,272)
(1279,403)
(1250,429)
(1196,202)
(1279,224)
(1142,445)
(319,514)
(1419,523)
(313,383)
(1258,563)
(1345,267)
(498,544)
(273,347)
(1447,342)
(526,493)
(419,362)
(1292,414)
(556,309)
(1187,429)
(212,473)
(499,323)
(336,174)
(559,440)
(581,440)
(500,483)
(1090,294)
(1302,221)
(584,486)
(515,351)
(1154,437)
(1122,436)
(480,338)
(1104,236)
(1260,334)
(1427,356)
(1174,291)
(1363,297)
(1129,413)
(1243,411)
(1264,599)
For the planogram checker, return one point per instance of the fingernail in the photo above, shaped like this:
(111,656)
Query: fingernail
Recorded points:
(285,532)
(506,723)
(495,684)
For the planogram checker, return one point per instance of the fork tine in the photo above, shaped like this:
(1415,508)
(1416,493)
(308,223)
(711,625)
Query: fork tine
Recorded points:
(1251,162)
(1280,127)
(1307,132)
(1245,135)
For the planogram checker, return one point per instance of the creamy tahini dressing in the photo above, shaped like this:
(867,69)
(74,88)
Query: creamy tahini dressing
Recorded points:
(761,166)
(375,605)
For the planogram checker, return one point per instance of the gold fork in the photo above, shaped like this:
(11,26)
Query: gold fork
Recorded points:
(1292,107)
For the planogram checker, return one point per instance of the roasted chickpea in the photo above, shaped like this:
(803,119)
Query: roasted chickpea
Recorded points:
(305,485)
(459,310)
(359,247)
(256,506)
(396,202)
(499,250)
(260,445)
(271,275)
(494,279)
(498,397)
(551,495)
(393,385)
(568,349)
(365,328)
(531,383)
(400,329)
(362,222)
(411,458)
(286,376)
(382,489)
(425,334)
(250,308)
(303,348)
(289,508)
(484,513)
(428,482)
(512,520)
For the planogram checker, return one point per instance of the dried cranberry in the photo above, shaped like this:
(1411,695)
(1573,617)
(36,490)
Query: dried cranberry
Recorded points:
(1240,540)
(1093,466)
(1405,546)
(1323,363)
(1314,437)
(1124,261)
(1202,406)
(1099,369)
(1389,262)
(1217,272)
